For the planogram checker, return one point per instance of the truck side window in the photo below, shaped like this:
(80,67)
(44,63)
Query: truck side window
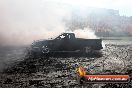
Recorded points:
(67,37)
(62,36)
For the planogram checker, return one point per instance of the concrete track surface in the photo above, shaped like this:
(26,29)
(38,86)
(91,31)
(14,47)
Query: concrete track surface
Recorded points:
(60,72)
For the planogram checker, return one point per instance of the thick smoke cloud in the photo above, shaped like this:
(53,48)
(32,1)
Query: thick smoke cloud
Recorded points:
(85,33)
(22,21)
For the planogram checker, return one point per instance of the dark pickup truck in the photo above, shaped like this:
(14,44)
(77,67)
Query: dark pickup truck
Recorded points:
(66,42)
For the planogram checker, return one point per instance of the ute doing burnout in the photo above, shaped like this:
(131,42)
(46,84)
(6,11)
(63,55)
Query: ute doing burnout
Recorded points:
(66,42)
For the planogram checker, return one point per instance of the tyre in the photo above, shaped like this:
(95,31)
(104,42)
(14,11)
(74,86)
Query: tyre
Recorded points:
(88,50)
(45,49)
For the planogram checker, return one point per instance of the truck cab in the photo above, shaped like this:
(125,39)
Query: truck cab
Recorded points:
(66,36)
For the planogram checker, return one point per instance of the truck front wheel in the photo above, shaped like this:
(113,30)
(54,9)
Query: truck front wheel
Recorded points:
(45,49)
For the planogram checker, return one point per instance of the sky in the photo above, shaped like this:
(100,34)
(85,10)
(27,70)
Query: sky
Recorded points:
(23,21)
(124,6)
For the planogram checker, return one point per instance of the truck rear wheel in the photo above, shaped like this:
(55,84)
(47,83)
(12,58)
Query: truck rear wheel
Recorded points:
(88,50)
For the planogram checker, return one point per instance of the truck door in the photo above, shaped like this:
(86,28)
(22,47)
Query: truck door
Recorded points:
(64,42)
(68,42)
